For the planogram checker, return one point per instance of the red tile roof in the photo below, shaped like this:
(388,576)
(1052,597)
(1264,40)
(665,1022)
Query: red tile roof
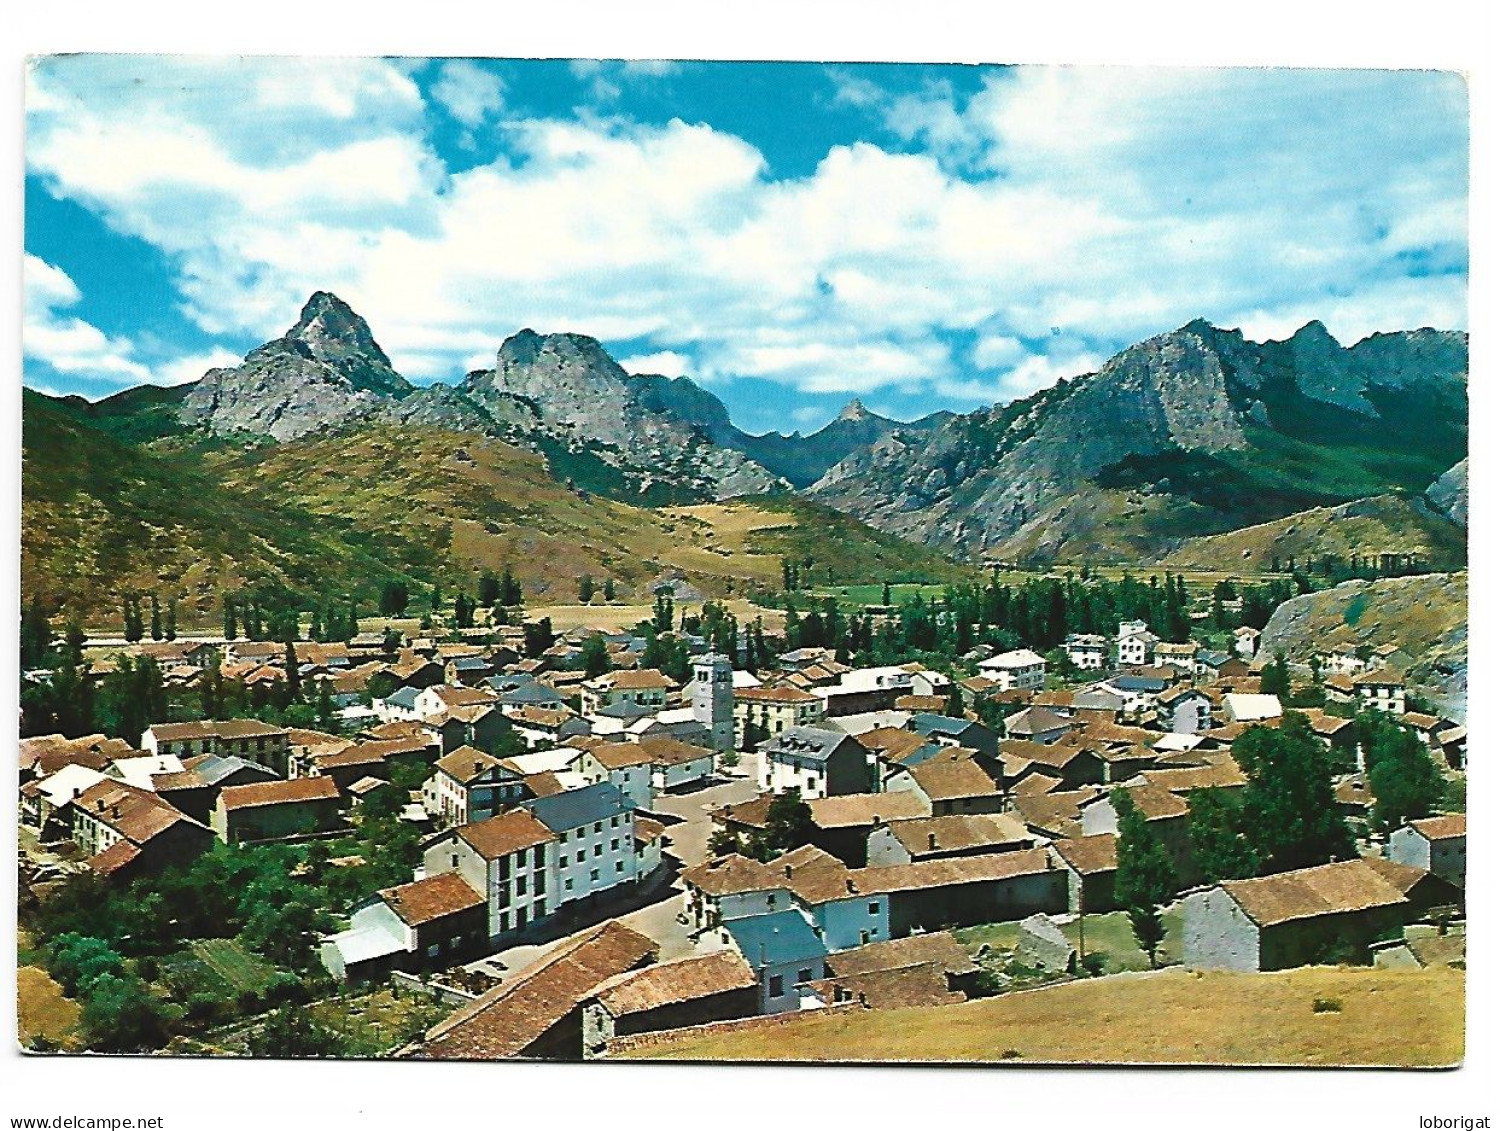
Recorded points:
(509,1019)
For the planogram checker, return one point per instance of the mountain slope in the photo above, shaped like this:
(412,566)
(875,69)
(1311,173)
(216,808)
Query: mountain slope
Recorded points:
(333,514)
(100,518)
(1367,528)
(1426,617)
(1191,432)
(802,460)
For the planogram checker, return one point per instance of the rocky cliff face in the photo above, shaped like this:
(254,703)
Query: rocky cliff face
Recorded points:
(326,371)
(1450,494)
(1122,460)
(561,392)
(665,430)
(977,479)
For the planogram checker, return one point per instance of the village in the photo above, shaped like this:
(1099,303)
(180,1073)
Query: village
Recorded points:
(592,842)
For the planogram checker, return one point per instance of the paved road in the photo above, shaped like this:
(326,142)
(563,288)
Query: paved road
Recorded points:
(658,919)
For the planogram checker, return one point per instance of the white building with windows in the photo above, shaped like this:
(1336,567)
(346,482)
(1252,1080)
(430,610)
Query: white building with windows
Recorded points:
(595,831)
(510,859)
(1087,652)
(1135,645)
(1017,670)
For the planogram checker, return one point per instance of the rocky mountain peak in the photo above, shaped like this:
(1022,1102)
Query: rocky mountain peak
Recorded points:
(855,410)
(335,335)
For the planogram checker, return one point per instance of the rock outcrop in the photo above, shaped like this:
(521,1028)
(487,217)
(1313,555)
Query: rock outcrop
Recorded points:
(664,429)
(1450,494)
(325,372)
(1190,432)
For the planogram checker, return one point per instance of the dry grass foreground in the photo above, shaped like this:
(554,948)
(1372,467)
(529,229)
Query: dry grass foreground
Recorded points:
(41,1009)
(1369,1017)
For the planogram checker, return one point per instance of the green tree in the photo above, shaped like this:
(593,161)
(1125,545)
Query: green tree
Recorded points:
(292,1032)
(609,590)
(1145,880)
(171,628)
(120,1014)
(36,634)
(489,589)
(595,656)
(293,674)
(1403,777)
(1290,817)
(231,625)
(78,961)
(585,589)
(155,618)
(1221,848)
(1276,678)
(789,825)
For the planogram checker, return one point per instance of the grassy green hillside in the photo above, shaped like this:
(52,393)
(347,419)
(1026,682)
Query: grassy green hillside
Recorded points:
(1386,524)
(100,517)
(338,514)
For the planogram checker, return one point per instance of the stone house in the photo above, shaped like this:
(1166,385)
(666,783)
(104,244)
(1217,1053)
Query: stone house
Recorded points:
(671,995)
(538,1013)
(1434,844)
(1331,912)
(277,810)
(1382,689)
(1090,863)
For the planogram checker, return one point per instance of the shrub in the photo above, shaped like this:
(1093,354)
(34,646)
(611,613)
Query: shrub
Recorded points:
(1327,1005)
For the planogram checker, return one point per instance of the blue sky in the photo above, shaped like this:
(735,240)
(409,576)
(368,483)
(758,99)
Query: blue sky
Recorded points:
(788,235)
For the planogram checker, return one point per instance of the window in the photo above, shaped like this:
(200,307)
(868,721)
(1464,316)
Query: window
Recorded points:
(567,885)
(598,826)
(536,857)
(578,856)
(520,885)
(619,866)
(594,876)
(614,822)
(614,845)
(804,975)
(874,909)
(777,988)
(864,937)
(598,850)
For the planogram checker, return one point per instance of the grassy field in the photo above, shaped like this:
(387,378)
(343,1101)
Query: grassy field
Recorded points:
(219,965)
(235,965)
(42,1012)
(1381,1018)
(1107,935)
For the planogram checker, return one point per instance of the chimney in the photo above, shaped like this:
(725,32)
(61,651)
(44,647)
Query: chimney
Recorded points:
(932,841)
(850,884)
(787,868)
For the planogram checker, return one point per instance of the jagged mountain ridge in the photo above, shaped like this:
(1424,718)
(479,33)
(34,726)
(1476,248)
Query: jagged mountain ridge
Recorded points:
(561,394)
(1191,432)
(802,460)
